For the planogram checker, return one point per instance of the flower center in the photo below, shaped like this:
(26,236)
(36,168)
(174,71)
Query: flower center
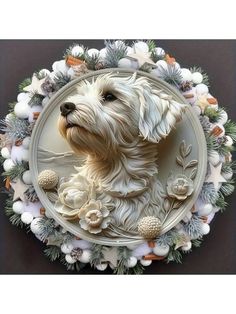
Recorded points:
(180,187)
(93,218)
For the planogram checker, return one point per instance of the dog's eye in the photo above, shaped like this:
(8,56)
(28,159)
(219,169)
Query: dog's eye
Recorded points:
(109,97)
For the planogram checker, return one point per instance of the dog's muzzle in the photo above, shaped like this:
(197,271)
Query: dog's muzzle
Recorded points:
(67,108)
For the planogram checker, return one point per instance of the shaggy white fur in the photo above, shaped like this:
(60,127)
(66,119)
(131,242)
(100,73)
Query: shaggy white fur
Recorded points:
(117,122)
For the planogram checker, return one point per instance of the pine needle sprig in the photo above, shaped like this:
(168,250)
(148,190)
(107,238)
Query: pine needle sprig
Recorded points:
(123,256)
(15,128)
(96,254)
(213,115)
(35,100)
(227,188)
(229,166)
(193,227)
(92,61)
(204,74)
(114,52)
(137,269)
(208,193)
(61,80)
(15,219)
(196,242)
(230,129)
(174,256)
(171,75)
(23,84)
(211,143)
(47,228)
(53,252)
(77,266)
(17,171)
(221,203)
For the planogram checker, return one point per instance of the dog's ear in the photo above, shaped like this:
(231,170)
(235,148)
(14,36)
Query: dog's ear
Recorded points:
(158,113)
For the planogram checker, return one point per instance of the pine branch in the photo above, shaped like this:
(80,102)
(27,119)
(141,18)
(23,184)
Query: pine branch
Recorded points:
(174,256)
(96,254)
(16,171)
(115,52)
(230,129)
(212,143)
(15,219)
(208,193)
(221,203)
(61,80)
(171,75)
(53,252)
(36,100)
(228,167)
(227,188)
(15,128)
(92,61)
(196,242)
(213,114)
(77,266)
(204,74)
(123,256)
(137,269)
(47,228)
(23,84)
(193,227)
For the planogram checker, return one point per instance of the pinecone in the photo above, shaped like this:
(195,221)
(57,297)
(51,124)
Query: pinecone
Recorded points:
(149,227)
(186,86)
(48,86)
(76,253)
(31,195)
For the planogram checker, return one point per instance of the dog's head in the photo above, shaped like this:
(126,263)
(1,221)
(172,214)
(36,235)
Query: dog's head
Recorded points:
(111,111)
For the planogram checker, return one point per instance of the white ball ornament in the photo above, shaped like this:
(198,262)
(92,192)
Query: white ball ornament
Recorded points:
(161,250)
(18,207)
(22,97)
(214,158)
(141,46)
(25,155)
(197,77)
(205,228)
(60,66)
(103,53)
(26,218)
(162,64)
(26,142)
(102,266)
(130,50)
(93,52)
(145,262)
(70,259)
(186,75)
(66,248)
(202,89)
(228,175)
(5,153)
(8,164)
(44,72)
(22,110)
(77,51)
(34,226)
(26,177)
(131,262)
(229,142)
(205,209)
(124,63)
(187,246)
(85,257)
(223,117)
(159,51)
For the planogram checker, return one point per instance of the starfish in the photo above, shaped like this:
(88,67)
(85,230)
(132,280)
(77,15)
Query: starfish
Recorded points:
(215,176)
(19,189)
(143,58)
(110,255)
(35,86)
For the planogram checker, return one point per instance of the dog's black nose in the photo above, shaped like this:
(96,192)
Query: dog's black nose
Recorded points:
(67,108)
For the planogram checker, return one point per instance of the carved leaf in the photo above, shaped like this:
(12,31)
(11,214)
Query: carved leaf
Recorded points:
(188,150)
(182,149)
(177,204)
(180,161)
(166,204)
(191,164)
(193,173)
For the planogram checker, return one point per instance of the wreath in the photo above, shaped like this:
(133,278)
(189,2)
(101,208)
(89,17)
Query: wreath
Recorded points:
(23,205)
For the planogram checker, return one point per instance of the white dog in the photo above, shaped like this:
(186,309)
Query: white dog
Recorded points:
(117,122)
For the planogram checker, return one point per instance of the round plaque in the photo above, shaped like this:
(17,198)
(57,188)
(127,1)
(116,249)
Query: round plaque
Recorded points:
(182,152)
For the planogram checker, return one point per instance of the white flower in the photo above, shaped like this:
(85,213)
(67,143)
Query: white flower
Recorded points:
(94,217)
(73,195)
